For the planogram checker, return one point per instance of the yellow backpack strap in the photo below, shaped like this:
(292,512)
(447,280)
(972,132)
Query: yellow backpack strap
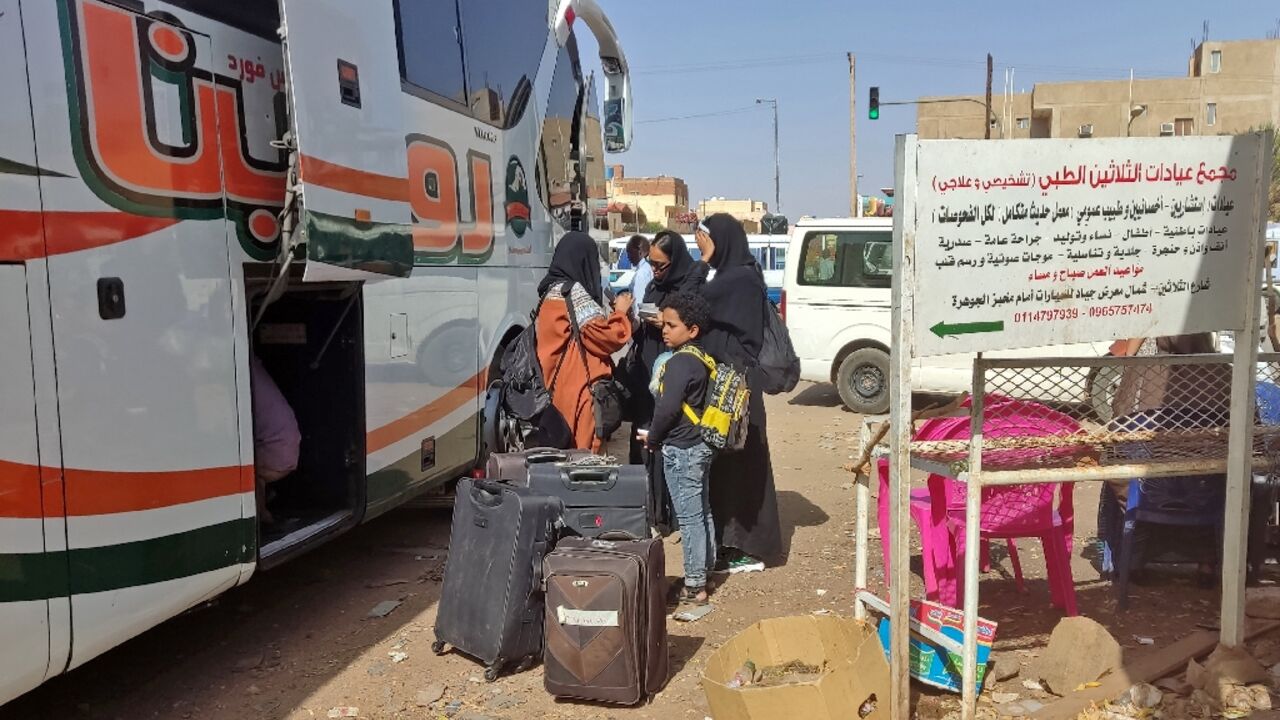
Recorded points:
(697,352)
(693,416)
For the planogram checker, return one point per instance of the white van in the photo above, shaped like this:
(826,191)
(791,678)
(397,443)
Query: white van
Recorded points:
(836,303)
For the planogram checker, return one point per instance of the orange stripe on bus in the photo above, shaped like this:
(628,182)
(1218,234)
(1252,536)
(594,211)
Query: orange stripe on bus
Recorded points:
(432,412)
(23,232)
(20,491)
(356,182)
(100,492)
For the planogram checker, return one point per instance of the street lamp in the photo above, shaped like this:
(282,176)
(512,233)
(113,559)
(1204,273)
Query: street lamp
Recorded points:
(777,173)
(1134,113)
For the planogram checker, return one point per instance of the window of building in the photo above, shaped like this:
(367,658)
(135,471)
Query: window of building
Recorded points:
(1211,114)
(504,40)
(1184,126)
(558,133)
(1215,61)
(847,259)
(430,50)
(1024,123)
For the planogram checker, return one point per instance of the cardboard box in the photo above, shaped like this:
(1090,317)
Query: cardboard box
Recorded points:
(855,671)
(933,664)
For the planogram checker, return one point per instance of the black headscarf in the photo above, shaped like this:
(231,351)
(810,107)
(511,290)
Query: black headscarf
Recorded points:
(683,275)
(576,259)
(736,294)
(732,248)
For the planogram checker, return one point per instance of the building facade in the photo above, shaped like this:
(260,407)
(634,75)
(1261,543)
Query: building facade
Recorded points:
(655,199)
(1230,88)
(748,212)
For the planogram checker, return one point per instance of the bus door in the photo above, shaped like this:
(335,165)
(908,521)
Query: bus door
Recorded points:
(33,590)
(158,502)
(344,90)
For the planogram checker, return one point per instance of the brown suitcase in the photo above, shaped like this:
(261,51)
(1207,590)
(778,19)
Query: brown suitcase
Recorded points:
(606,620)
(513,467)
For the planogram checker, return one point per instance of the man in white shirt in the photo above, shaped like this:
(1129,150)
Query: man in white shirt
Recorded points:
(638,254)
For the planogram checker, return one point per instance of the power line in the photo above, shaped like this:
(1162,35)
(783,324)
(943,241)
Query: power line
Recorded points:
(718,113)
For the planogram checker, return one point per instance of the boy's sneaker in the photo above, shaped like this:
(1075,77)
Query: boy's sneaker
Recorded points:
(745,564)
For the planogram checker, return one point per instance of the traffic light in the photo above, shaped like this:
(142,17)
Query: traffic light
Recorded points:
(873,109)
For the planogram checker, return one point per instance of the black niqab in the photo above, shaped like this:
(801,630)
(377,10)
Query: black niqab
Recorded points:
(682,275)
(577,260)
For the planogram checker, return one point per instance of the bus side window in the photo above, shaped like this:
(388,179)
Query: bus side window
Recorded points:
(504,40)
(431,48)
(558,133)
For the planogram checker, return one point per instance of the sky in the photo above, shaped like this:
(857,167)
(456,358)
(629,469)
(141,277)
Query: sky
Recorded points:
(704,57)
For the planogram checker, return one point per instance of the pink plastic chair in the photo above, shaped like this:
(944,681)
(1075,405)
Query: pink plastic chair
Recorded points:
(1008,512)
(921,514)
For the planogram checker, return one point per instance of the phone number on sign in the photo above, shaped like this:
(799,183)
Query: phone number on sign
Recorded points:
(1098,311)
(1046,315)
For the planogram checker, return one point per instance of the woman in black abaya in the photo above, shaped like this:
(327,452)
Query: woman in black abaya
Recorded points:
(743,498)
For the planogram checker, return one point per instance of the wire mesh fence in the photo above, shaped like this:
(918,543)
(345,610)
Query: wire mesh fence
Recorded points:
(1058,414)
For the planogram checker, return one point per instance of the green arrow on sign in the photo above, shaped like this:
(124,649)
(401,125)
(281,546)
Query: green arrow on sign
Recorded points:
(970,328)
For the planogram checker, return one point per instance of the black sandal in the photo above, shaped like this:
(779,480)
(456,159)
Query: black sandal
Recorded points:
(689,595)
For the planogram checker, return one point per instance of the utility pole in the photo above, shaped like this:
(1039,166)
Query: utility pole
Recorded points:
(855,207)
(987,121)
(777,172)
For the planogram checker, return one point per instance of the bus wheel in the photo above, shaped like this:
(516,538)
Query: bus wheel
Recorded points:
(863,381)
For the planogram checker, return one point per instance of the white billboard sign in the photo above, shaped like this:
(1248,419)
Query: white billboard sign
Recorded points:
(1029,243)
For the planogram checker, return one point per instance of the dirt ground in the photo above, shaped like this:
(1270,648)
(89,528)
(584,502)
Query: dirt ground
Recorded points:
(298,641)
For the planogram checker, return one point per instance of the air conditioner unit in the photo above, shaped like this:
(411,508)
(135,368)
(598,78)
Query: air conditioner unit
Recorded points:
(1166,128)
(1086,130)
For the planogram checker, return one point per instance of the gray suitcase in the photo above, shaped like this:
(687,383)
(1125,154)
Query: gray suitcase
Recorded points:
(513,467)
(491,602)
(597,498)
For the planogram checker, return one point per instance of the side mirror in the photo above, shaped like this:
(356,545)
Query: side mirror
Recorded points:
(617,93)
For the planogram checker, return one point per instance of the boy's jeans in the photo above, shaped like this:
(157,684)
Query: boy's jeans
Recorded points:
(688,473)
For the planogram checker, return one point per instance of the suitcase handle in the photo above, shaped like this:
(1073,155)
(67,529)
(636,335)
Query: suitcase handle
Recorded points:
(486,492)
(598,478)
(542,455)
(616,535)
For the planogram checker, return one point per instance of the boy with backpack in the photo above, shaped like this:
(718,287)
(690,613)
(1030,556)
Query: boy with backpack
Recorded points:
(689,425)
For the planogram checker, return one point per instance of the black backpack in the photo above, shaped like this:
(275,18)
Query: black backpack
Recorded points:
(778,366)
(525,394)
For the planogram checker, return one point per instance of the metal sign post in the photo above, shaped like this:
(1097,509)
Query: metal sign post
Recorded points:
(904,287)
(1031,243)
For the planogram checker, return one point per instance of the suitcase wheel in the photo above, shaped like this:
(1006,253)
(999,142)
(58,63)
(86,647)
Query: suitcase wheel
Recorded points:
(491,672)
(437,647)
(527,663)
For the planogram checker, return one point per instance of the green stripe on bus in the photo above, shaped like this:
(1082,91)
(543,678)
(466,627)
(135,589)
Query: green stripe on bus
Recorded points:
(38,576)
(385,248)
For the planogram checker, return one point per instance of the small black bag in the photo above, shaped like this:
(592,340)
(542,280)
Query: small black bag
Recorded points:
(778,366)
(609,401)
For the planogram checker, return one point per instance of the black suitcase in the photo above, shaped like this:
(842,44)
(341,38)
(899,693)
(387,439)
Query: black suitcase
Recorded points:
(597,498)
(491,603)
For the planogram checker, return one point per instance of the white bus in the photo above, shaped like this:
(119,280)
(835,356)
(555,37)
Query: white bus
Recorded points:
(367,207)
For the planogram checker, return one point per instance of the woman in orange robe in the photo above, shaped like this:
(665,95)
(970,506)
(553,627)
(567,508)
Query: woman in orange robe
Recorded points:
(577,334)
